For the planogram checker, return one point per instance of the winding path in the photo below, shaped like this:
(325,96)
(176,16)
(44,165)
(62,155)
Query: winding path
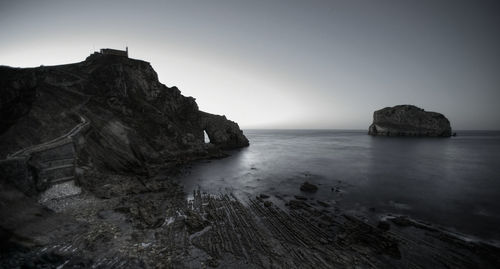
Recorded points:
(63,139)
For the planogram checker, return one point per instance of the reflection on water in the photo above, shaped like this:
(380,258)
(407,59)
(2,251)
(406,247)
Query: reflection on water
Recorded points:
(452,182)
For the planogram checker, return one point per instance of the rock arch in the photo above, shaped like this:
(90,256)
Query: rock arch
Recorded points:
(222,132)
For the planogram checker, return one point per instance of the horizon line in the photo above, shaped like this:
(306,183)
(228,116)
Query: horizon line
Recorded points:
(344,129)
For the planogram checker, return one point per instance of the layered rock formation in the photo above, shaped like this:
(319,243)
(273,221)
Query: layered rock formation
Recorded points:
(408,120)
(107,114)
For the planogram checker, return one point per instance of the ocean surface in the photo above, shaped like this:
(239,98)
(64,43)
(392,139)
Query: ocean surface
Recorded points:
(450,182)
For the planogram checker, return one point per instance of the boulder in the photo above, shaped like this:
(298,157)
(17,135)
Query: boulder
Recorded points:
(308,187)
(409,120)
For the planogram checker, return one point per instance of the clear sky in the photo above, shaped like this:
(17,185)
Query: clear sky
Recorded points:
(284,64)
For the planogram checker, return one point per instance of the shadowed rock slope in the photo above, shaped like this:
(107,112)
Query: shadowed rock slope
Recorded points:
(107,114)
(408,120)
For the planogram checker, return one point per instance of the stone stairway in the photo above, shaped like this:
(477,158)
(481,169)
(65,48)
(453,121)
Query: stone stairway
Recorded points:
(59,141)
(55,163)
(59,173)
(56,167)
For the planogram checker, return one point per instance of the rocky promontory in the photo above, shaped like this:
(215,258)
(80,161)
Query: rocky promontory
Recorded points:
(106,115)
(409,120)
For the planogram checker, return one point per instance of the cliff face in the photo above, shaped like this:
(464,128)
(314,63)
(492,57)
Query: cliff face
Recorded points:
(105,114)
(408,120)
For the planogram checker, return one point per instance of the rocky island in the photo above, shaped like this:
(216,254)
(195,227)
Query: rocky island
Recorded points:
(409,120)
(90,154)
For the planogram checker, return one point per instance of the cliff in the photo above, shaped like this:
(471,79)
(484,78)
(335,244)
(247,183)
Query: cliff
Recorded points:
(105,115)
(408,120)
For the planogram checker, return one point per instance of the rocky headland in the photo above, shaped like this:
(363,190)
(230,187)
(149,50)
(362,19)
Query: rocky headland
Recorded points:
(409,120)
(104,126)
(108,114)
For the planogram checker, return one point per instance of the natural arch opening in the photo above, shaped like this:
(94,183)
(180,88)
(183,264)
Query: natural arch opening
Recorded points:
(207,139)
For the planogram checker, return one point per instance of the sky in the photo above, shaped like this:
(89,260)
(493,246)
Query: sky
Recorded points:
(284,64)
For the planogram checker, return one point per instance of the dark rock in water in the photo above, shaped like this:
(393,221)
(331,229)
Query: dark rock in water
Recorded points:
(268,203)
(300,197)
(108,115)
(297,204)
(308,187)
(264,196)
(408,120)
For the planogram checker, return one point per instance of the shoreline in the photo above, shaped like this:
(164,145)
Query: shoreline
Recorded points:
(156,226)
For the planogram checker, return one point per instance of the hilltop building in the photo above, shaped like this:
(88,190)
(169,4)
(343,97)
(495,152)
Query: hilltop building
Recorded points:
(123,53)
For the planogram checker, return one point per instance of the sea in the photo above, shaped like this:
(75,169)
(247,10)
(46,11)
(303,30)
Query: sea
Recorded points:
(453,183)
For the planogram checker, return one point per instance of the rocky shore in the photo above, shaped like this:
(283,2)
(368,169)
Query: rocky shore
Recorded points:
(102,127)
(91,152)
(153,225)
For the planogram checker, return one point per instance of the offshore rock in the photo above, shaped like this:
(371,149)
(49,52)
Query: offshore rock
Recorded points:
(308,187)
(409,120)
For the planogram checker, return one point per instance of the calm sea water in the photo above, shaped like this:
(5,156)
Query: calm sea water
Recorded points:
(452,182)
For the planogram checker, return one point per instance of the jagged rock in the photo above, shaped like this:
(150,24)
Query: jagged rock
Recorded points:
(408,120)
(300,197)
(108,114)
(297,204)
(308,187)
(263,196)
(194,222)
